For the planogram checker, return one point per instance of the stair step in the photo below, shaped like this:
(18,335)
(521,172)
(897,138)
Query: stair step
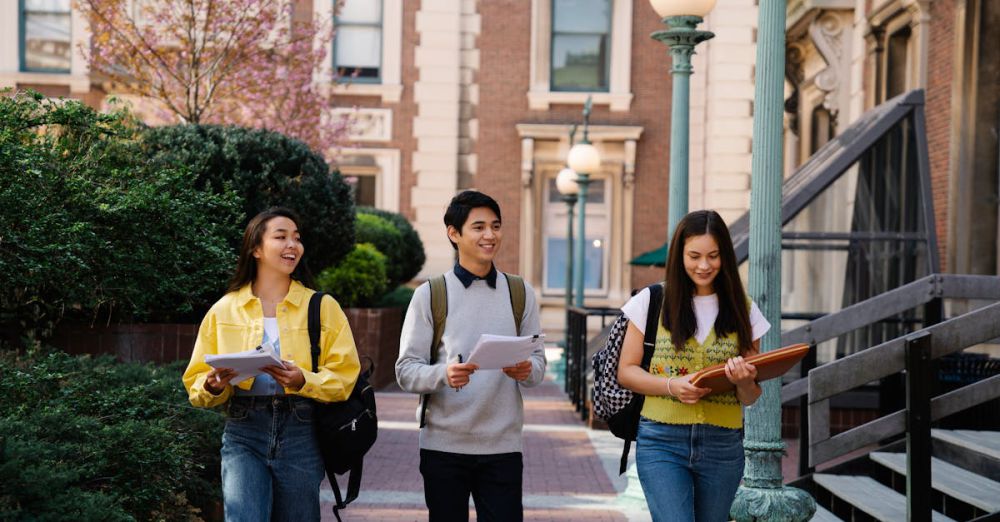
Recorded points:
(823,515)
(951,480)
(866,494)
(985,442)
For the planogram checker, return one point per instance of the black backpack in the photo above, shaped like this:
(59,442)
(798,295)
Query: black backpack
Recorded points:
(345,430)
(619,406)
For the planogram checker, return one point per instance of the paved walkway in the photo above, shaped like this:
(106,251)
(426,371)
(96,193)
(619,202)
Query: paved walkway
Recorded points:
(570,472)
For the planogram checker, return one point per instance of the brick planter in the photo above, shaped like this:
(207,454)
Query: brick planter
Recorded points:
(159,343)
(376,333)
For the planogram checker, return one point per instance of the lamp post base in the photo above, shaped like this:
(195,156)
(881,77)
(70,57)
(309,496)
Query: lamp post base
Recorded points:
(781,504)
(762,496)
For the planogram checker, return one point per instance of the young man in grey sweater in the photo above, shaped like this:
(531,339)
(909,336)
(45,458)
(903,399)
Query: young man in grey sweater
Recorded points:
(471,441)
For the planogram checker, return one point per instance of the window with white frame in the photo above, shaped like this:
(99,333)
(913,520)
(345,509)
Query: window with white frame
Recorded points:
(357,48)
(581,45)
(46,44)
(554,242)
(361,172)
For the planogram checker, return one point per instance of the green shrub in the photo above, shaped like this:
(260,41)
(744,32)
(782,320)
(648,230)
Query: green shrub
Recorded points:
(87,226)
(406,261)
(359,280)
(398,298)
(86,438)
(384,236)
(266,169)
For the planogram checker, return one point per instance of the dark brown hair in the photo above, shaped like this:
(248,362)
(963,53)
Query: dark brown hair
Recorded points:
(253,236)
(678,309)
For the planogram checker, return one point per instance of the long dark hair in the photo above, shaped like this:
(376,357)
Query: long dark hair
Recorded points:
(678,309)
(253,236)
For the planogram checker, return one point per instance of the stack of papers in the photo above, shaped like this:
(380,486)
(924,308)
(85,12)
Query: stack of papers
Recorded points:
(246,364)
(495,352)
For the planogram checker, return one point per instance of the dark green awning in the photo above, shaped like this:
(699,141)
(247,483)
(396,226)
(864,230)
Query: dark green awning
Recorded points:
(656,257)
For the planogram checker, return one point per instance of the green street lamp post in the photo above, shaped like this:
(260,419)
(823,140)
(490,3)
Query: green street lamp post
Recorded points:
(681,16)
(567,186)
(584,159)
(763,497)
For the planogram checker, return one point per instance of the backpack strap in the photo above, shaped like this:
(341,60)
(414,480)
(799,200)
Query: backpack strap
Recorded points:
(652,324)
(315,325)
(648,348)
(517,298)
(439,313)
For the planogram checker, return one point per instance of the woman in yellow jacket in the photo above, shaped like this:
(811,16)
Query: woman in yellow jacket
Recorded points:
(271,464)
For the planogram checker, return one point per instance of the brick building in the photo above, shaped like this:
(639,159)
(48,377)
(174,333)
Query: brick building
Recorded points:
(456,94)
(848,56)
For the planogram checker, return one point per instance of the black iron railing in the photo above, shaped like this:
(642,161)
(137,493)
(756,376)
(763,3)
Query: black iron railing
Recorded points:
(577,353)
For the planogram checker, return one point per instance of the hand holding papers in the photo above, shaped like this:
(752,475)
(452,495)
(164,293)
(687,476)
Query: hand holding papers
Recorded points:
(246,364)
(496,352)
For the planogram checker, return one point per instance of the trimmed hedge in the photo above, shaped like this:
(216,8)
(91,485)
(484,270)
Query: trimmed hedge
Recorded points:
(410,257)
(89,227)
(359,280)
(266,169)
(86,438)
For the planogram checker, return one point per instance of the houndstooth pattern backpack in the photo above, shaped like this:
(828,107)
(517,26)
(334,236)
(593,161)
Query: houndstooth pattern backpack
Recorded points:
(618,406)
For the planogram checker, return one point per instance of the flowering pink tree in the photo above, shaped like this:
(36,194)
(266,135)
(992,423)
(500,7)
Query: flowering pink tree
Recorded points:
(242,62)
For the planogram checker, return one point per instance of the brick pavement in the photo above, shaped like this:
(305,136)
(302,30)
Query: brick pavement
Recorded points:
(570,472)
(565,478)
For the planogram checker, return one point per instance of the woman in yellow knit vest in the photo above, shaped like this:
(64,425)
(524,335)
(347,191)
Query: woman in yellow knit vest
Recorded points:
(690,444)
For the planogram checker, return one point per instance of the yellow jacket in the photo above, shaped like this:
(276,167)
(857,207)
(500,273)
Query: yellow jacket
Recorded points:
(236,323)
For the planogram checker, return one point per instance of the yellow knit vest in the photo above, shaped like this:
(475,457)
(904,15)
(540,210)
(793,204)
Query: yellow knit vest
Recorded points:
(721,409)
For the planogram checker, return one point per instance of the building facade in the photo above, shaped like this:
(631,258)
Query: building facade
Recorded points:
(448,95)
(454,94)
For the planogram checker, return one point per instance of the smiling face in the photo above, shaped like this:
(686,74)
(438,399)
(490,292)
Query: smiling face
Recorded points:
(479,239)
(702,262)
(280,248)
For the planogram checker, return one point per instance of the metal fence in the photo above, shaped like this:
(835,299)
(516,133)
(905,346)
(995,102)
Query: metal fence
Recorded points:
(578,354)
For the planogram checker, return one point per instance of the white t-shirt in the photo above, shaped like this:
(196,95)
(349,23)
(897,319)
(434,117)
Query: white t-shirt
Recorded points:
(271,332)
(706,309)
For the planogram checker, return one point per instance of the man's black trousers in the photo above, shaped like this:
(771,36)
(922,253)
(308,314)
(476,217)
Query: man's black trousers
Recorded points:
(494,481)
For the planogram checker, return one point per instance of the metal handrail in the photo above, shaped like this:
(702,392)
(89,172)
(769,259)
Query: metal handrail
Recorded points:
(576,352)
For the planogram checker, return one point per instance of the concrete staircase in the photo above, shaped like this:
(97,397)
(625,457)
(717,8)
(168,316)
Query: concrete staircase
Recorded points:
(965,481)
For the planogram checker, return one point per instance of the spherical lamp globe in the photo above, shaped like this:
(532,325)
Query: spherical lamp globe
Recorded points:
(584,158)
(566,182)
(666,8)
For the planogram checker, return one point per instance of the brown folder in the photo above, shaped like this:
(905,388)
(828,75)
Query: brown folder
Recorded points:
(769,365)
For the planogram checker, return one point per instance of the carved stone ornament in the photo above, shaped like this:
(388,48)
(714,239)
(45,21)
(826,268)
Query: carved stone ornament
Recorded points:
(826,32)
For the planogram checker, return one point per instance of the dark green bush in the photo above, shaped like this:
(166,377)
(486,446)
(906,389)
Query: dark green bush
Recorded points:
(359,280)
(406,261)
(266,169)
(383,235)
(398,298)
(86,438)
(87,226)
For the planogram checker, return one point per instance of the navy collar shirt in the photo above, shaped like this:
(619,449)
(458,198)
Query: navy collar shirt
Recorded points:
(467,278)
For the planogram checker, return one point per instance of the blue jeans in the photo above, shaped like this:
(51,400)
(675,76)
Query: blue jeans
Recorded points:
(689,472)
(271,464)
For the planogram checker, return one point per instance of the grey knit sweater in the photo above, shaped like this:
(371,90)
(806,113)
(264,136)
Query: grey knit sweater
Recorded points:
(486,416)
